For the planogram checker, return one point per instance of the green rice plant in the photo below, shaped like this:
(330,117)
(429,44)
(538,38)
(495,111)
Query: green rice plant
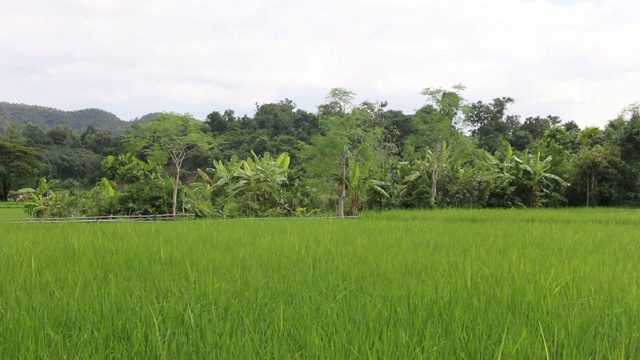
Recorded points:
(507,284)
(12,211)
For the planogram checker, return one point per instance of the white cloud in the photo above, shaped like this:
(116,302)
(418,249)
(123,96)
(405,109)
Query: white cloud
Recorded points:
(576,59)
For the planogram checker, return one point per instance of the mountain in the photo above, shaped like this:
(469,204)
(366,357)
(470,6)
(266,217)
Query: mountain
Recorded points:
(145,119)
(78,120)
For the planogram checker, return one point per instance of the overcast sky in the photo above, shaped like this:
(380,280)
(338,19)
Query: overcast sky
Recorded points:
(576,59)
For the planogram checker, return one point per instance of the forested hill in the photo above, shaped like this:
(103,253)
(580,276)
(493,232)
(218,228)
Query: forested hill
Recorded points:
(78,120)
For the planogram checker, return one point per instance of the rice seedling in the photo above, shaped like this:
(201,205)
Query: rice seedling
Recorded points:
(507,284)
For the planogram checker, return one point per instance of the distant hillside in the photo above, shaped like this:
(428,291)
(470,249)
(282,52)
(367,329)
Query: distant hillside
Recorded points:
(78,120)
(145,119)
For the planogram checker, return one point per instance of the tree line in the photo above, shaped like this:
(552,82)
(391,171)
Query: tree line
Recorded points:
(343,158)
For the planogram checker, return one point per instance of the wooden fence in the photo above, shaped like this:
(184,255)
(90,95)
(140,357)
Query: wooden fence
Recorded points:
(90,219)
(164,217)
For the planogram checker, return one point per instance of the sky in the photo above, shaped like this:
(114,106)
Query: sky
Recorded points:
(577,59)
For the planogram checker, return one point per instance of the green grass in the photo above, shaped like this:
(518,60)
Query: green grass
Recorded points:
(503,284)
(11,210)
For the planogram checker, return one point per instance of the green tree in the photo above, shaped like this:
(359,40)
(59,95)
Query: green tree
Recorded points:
(14,132)
(596,176)
(493,127)
(562,146)
(35,135)
(531,131)
(170,138)
(63,135)
(63,162)
(216,122)
(276,119)
(443,131)
(591,136)
(427,168)
(18,167)
(629,138)
(143,187)
(339,102)
(100,141)
(347,132)
(127,169)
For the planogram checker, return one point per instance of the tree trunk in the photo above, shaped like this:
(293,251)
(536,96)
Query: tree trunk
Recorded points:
(341,203)
(594,186)
(440,158)
(176,181)
(588,182)
(343,190)
(434,184)
(6,188)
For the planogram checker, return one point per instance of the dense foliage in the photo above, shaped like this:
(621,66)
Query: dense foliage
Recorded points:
(344,158)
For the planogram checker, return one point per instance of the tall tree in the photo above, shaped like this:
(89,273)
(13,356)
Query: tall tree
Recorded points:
(100,141)
(445,135)
(14,132)
(348,132)
(493,126)
(63,135)
(35,135)
(595,178)
(531,131)
(18,167)
(170,138)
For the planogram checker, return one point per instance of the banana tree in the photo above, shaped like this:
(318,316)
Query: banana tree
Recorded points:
(254,185)
(536,177)
(220,187)
(39,204)
(522,180)
(223,175)
(359,182)
(262,178)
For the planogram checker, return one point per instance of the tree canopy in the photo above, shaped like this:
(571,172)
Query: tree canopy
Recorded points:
(345,157)
(18,167)
(170,138)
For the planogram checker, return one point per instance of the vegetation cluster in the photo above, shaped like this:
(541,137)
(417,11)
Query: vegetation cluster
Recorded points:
(346,157)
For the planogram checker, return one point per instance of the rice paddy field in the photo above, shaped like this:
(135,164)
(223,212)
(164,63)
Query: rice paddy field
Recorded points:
(474,284)
(11,211)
